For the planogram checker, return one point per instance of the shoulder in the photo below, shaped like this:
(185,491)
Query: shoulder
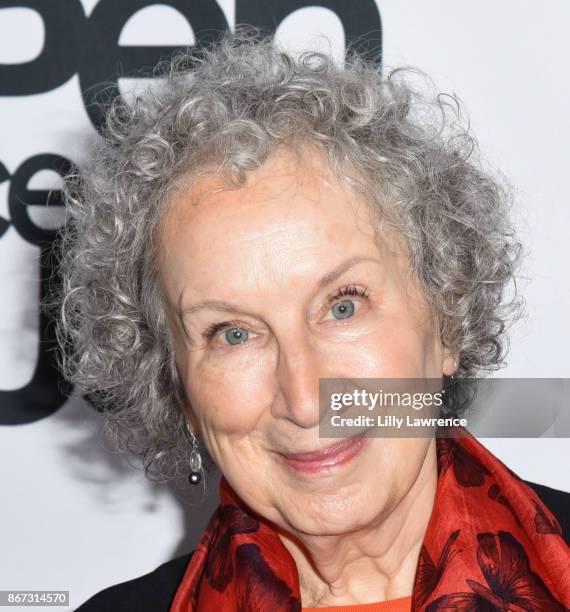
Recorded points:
(152,592)
(558,502)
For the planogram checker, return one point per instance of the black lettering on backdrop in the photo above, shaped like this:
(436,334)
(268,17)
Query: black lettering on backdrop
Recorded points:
(107,61)
(89,45)
(64,25)
(47,390)
(20,197)
(4,176)
(361,21)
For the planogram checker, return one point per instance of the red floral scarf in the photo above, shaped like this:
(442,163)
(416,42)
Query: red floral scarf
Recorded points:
(490,545)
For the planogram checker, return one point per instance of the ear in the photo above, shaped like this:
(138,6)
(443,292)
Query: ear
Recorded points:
(186,405)
(192,418)
(450,361)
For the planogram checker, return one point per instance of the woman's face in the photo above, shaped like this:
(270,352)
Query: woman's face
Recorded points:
(251,277)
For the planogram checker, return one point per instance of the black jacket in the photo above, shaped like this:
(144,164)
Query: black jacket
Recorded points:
(155,591)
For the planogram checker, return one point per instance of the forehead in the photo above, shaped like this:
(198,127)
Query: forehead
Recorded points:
(289,213)
(304,172)
(286,179)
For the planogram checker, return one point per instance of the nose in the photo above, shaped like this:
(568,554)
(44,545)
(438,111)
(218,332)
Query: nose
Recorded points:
(297,398)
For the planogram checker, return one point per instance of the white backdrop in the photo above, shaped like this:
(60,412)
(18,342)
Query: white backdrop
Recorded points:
(74,516)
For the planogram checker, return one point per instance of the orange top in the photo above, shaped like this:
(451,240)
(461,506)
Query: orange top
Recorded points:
(402,604)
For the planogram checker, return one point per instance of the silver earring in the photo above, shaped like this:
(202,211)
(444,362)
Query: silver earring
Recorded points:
(195,475)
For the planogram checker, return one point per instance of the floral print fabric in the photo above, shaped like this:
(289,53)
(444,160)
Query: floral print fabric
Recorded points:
(491,545)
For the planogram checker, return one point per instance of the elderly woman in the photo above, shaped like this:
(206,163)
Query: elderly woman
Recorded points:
(257,223)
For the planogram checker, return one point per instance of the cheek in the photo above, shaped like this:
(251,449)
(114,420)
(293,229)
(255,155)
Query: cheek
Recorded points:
(400,460)
(229,400)
(390,351)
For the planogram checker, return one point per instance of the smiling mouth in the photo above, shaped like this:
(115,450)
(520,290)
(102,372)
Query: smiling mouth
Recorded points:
(325,459)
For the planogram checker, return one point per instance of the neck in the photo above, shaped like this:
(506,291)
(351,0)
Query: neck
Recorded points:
(375,563)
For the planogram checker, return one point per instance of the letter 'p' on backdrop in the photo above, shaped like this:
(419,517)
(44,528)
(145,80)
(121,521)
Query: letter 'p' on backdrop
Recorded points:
(74,516)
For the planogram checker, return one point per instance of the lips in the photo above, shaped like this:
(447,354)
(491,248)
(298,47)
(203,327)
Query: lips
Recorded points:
(325,459)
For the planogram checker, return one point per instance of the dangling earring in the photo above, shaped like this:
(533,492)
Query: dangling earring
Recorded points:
(195,475)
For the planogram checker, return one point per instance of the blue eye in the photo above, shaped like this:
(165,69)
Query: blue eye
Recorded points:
(233,334)
(236,335)
(343,309)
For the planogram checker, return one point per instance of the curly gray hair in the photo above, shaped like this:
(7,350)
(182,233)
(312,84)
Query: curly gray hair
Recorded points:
(225,108)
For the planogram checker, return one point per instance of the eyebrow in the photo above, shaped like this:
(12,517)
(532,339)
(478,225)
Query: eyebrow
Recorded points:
(325,280)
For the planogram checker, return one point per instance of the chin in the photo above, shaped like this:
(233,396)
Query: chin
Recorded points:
(335,512)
